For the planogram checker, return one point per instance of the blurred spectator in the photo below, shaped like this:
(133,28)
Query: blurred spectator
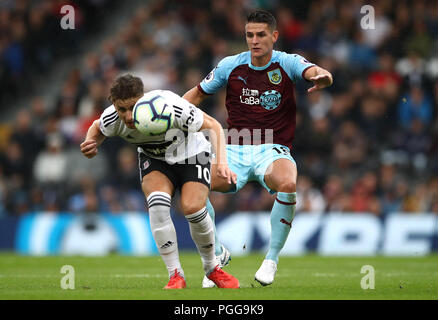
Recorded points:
(416,143)
(289,27)
(417,200)
(69,96)
(68,122)
(39,115)
(246,198)
(333,42)
(51,164)
(263,200)
(25,136)
(126,174)
(91,68)
(341,109)
(350,146)
(413,68)
(385,80)
(419,41)
(94,101)
(36,199)
(85,200)
(309,199)
(387,177)
(415,105)
(319,103)
(221,203)
(361,55)
(126,180)
(109,199)
(372,120)
(14,161)
(333,191)
(320,137)
(364,194)
(79,166)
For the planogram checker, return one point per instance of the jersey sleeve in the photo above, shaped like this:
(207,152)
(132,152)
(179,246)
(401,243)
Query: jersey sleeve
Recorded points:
(110,122)
(187,117)
(295,65)
(218,77)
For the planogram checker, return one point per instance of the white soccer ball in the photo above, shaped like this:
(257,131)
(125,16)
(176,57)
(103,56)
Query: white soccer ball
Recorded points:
(152,114)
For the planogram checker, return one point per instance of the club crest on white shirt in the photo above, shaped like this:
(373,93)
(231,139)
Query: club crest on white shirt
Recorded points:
(146,164)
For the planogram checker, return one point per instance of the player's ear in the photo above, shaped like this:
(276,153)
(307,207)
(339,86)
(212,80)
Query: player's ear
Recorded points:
(275,36)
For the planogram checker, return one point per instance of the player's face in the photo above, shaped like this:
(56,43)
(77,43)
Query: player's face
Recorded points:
(260,40)
(124,109)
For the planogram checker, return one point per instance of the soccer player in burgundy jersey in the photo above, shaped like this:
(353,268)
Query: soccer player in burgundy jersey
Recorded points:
(261,123)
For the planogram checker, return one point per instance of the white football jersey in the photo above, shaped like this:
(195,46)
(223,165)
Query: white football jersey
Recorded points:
(180,142)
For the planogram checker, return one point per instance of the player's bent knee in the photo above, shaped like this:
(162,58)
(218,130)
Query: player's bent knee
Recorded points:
(190,206)
(189,209)
(193,197)
(287,186)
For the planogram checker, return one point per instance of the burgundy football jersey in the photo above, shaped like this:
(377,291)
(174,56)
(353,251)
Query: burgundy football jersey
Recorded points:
(260,100)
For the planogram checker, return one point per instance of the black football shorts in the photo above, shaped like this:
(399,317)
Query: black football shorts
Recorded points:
(178,173)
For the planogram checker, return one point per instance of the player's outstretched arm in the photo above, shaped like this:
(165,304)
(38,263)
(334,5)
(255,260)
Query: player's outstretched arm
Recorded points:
(217,139)
(93,139)
(194,96)
(320,77)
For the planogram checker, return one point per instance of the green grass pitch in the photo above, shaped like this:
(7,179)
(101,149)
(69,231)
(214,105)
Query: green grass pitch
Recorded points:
(308,277)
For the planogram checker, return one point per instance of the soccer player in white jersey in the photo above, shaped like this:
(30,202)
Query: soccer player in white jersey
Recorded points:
(261,121)
(161,178)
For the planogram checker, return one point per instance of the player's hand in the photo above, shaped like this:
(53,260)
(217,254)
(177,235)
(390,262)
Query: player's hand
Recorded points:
(89,148)
(320,81)
(224,171)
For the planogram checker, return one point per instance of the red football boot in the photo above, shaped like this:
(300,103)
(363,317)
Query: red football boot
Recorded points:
(223,279)
(176,281)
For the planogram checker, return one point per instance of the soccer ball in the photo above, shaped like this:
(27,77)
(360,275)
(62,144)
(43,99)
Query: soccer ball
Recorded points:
(152,114)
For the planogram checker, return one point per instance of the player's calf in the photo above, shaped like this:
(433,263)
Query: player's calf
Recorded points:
(163,231)
(201,230)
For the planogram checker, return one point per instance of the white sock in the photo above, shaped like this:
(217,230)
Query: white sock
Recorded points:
(202,232)
(163,231)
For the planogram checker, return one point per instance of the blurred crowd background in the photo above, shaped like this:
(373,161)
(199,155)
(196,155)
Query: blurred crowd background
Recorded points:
(369,143)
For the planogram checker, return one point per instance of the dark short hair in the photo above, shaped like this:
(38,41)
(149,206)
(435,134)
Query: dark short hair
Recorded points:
(125,87)
(262,16)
